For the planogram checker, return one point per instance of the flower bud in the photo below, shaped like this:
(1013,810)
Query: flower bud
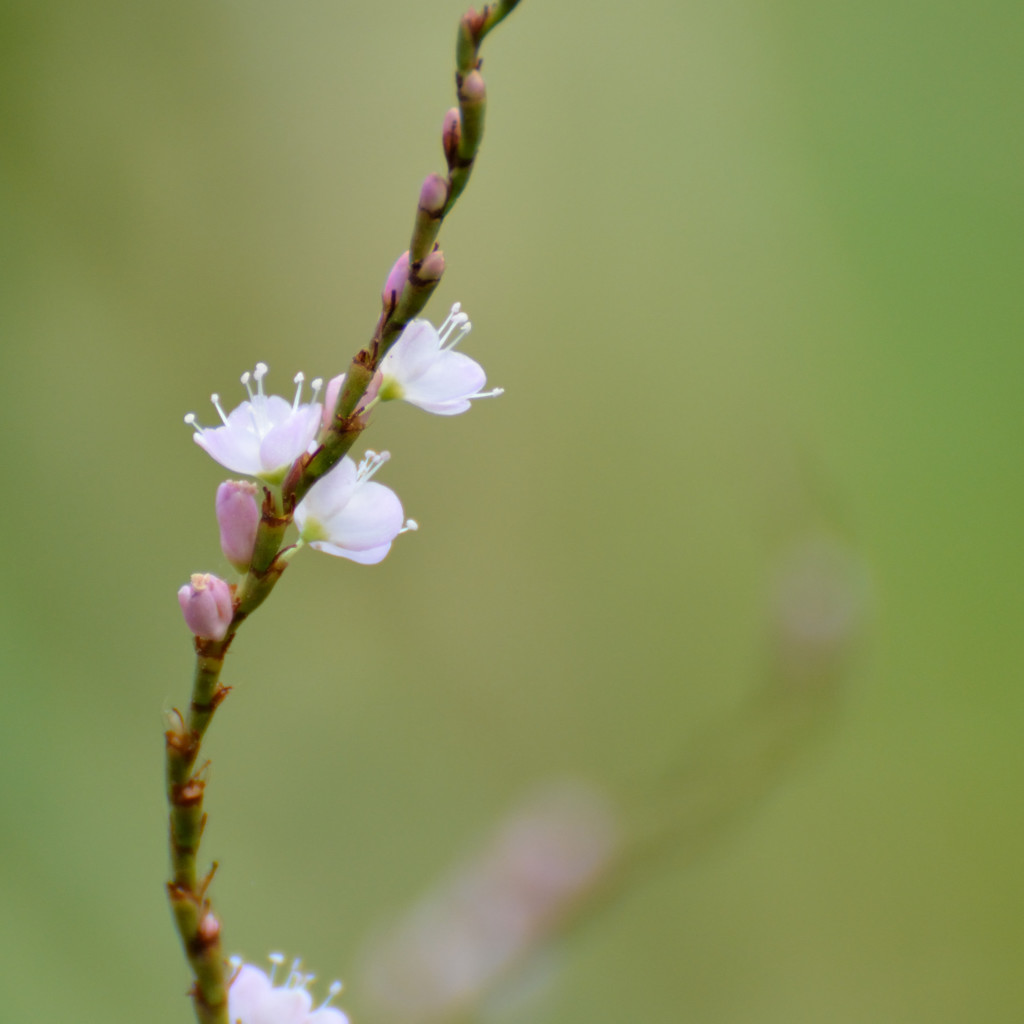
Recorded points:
(472,97)
(238,516)
(451,134)
(432,268)
(333,392)
(207,605)
(396,282)
(434,194)
(429,211)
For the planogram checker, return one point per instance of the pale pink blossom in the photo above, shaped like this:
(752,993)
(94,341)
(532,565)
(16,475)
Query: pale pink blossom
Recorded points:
(254,999)
(424,369)
(263,436)
(347,514)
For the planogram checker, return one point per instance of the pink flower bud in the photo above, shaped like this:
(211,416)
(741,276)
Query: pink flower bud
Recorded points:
(434,195)
(432,267)
(451,134)
(397,280)
(473,90)
(207,606)
(238,516)
(334,386)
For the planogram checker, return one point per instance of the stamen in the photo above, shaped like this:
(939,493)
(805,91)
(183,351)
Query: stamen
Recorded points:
(259,373)
(316,384)
(335,988)
(246,378)
(453,320)
(190,419)
(493,393)
(294,978)
(372,461)
(276,959)
(297,379)
(411,526)
(455,332)
(215,398)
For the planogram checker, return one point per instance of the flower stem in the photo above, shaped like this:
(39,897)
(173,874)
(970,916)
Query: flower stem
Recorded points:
(197,926)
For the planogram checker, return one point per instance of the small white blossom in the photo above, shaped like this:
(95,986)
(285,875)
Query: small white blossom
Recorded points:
(347,514)
(424,369)
(254,999)
(263,436)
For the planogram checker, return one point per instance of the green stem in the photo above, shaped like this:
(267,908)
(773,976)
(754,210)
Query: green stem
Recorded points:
(197,926)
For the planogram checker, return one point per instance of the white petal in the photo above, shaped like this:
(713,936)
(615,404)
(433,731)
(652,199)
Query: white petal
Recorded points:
(369,557)
(248,991)
(413,353)
(445,387)
(329,494)
(370,518)
(289,438)
(234,450)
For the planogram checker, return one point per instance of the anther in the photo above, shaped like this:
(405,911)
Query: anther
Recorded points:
(276,959)
(371,462)
(215,399)
(335,988)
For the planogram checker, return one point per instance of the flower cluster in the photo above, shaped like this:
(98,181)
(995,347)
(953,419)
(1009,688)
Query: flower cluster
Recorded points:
(346,513)
(254,999)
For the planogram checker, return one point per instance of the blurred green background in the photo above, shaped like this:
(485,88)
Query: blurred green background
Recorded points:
(740,267)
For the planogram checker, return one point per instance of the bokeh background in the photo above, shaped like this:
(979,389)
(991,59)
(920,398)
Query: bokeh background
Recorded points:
(746,270)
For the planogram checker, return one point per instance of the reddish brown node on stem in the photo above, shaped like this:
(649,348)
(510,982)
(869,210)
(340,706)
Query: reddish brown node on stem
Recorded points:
(181,740)
(214,702)
(188,793)
(213,649)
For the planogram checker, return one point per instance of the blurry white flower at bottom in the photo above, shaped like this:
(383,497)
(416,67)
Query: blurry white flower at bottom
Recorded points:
(253,997)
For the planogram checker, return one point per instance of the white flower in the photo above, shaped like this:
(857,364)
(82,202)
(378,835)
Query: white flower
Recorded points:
(263,436)
(423,369)
(347,514)
(253,998)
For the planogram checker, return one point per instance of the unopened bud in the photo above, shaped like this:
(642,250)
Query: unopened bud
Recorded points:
(209,929)
(451,135)
(472,97)
(207,605)
(238,516)
(432,268)
(433,199)
(333,393)
(434,195)
(398,278)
